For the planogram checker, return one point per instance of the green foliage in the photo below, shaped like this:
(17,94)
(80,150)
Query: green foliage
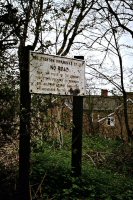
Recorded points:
(99,143)
(8,109)
(53,166)
(51,176)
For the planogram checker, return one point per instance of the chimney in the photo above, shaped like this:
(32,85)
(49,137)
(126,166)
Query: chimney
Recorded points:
(104,92)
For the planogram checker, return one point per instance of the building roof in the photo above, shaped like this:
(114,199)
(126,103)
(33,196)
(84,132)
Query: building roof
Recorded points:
(117,108)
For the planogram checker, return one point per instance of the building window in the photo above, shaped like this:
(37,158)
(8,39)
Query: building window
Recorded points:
(110,121)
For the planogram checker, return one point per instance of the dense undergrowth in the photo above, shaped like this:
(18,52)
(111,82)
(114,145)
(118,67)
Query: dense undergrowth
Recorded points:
(107,172)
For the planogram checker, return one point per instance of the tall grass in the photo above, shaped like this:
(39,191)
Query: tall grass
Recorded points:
(101,180)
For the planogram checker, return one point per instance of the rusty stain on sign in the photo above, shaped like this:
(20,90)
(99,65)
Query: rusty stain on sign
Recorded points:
(50,74)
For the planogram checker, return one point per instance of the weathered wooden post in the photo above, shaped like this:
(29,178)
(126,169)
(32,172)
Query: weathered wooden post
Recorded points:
(77,133)
(23,192)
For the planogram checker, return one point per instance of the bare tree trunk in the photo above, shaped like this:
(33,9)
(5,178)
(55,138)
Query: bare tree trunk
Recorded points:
(129,133)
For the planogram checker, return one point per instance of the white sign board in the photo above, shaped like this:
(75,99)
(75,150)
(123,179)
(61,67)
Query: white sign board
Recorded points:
(50,74)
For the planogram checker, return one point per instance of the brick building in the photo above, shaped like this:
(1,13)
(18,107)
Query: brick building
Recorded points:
(105,115)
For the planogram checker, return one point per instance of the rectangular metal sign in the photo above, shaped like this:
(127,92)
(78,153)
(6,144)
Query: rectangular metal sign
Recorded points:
(50,74)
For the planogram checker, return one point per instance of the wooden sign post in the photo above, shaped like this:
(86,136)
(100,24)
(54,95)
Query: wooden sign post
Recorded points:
(77,133)
(48,74)
(51,74)
(23,190)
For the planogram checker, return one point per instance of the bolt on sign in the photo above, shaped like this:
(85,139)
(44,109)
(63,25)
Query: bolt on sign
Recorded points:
(50,74)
